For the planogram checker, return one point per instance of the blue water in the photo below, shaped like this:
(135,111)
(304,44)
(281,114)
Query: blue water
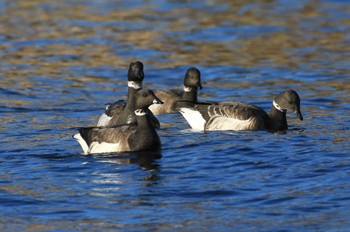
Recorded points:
(61,61)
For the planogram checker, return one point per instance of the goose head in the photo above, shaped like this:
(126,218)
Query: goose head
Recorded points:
(288,100)
(145,98)
(193,79)
(135,74)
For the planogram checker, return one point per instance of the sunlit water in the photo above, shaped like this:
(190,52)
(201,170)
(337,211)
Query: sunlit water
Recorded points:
(61,61)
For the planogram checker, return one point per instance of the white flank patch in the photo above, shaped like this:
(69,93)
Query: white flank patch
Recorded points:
(82,143)
(224,123)
(103,147)
(194,118)
(103,120)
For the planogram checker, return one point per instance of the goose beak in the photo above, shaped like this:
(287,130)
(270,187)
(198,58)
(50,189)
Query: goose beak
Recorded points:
(200,86)
(298,113)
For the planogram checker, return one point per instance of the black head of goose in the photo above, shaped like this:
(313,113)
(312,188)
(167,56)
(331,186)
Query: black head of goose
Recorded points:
(122,112)
(192,82)
(288,100)
(240,116)
(140,137)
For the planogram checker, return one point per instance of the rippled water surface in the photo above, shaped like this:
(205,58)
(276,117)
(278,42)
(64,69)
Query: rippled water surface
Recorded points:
(61,61)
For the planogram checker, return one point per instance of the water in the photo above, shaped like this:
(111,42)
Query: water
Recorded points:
(62,60)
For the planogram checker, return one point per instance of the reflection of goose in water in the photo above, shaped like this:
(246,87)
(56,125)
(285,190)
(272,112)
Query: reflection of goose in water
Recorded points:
(145,159)
(107,178)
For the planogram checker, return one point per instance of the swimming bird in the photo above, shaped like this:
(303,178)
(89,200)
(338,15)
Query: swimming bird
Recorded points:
(231,115)
(192,82)
(123,112)
(137,137)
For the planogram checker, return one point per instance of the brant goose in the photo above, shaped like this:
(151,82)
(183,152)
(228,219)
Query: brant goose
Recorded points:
(121,112)
(192,82)
(231,115)
(139,137)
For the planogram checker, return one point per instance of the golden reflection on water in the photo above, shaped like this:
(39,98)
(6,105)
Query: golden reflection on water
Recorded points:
(46,38)
(26,21)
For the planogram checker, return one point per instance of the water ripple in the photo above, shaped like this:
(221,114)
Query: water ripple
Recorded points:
(61,61)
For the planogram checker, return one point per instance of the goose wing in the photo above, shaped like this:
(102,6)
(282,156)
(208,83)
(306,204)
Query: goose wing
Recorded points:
(115,108)
(232,116)
(195,113)
(168,93)
(107,139)
(112,111)
(169,97)
(238,110)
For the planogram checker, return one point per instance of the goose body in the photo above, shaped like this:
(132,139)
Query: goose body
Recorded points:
(123,112)
(240,116)
(217,116)
(192,82)
(169,97)
(111,111)
(141,136)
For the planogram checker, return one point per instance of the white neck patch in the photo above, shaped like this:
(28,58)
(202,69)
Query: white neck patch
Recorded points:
(187,89)
(135,85)
(278,107)
(140,112)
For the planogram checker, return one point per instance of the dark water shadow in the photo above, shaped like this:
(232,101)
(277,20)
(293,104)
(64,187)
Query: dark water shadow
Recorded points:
(145,159)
